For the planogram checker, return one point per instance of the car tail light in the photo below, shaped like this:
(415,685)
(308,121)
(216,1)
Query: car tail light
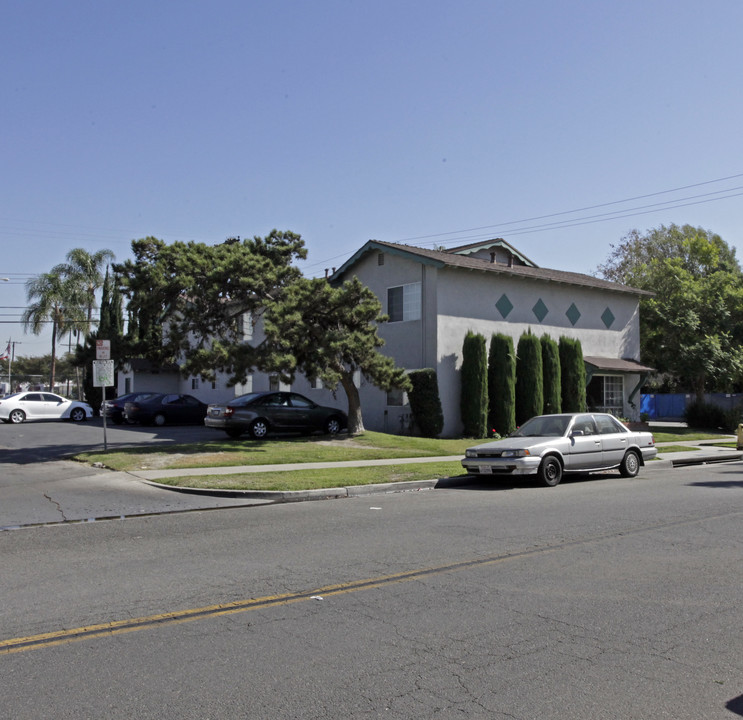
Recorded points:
(228,412)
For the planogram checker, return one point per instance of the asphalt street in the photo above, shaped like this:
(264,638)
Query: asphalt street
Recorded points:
(602,598)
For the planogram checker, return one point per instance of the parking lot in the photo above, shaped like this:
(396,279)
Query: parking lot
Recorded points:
(42,441)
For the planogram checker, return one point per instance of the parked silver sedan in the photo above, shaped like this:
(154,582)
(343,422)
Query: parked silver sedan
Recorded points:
(549,445)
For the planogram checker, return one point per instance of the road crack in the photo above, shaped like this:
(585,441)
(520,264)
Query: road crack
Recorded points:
(59,507)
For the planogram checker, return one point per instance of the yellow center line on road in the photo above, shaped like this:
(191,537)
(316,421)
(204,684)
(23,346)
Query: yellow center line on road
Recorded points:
(118,627)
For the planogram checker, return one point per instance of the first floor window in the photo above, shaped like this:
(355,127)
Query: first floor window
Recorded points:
(606,393)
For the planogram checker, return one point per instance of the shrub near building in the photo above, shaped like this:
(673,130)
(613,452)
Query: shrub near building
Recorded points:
(573,375)
(502,385)
(425,403)
(474,397)
(529,378)
(551,375)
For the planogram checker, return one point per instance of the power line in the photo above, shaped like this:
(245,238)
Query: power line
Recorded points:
(500,228)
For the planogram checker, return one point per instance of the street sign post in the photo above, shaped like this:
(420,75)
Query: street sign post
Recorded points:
(103,375)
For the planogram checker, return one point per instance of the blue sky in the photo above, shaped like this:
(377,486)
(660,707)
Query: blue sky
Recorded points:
(419,122)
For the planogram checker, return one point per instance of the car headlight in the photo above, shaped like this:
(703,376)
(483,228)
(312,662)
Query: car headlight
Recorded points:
(470,453)
(515,453)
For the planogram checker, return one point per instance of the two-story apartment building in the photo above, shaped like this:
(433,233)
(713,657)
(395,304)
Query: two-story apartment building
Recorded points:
(432,298)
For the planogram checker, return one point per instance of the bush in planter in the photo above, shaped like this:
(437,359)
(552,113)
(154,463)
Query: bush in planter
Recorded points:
(425,403)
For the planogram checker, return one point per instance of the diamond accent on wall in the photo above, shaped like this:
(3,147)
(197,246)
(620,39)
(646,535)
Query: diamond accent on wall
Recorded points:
(573,314)
(608,317)
(540,310)
(504,305)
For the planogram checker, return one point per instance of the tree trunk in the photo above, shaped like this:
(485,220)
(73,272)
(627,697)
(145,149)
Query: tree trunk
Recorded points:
(355,420)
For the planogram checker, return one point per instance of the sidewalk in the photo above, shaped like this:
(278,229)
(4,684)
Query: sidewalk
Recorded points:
(706,454)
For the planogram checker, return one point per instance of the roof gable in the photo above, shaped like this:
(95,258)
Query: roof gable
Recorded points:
(463,261)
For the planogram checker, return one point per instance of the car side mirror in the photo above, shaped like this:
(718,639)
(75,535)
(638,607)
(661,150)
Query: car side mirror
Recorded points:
(577,433)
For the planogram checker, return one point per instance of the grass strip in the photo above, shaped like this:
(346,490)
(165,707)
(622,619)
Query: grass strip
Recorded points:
(676,448)
(318,479)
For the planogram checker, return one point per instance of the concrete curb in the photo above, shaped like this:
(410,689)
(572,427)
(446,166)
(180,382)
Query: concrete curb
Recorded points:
(287,496)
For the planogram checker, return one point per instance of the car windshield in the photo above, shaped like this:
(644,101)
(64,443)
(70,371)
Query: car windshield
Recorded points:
(544,426)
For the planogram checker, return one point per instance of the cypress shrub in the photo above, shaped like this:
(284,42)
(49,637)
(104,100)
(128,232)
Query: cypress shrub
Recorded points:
(573,374)
(425,403)
(502,385)
(474,393)
(529,378)
(551,375)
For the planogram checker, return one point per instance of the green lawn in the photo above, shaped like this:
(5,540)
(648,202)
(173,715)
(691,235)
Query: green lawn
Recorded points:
(369,446)
(227,453)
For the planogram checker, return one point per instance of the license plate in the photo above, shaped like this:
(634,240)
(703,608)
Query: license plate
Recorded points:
(486,470)
(215,413)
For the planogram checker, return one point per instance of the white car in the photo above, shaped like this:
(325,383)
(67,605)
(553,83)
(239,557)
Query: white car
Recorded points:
(36,405)
(548,445)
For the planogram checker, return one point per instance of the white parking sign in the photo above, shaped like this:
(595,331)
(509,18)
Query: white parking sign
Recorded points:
(103,373)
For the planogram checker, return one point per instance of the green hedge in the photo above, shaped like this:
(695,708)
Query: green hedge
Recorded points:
(502,385)
(474,395)
(425,403)
(529,378)
(551,375)
(573,375)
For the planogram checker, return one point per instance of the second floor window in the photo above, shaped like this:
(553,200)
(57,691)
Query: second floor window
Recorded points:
(404,302)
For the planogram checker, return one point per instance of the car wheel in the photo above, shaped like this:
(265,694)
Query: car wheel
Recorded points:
(158,420)
(77,415)
(17,416)
(259,429)
(332,426)
(630,465)
(550,471)
(234,434)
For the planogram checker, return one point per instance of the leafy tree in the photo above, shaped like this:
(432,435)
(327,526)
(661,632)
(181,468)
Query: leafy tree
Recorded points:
(572,375)
(502,384)
(551,375)
(185,300)
(474,393)
(425,403)
(329,333)
(529,378)
(53,298)
(691,328)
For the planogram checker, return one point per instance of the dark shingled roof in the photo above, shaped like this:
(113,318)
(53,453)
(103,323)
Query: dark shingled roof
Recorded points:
(443,258)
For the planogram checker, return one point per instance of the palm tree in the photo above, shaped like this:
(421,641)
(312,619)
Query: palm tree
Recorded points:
(85,270)
(53,298)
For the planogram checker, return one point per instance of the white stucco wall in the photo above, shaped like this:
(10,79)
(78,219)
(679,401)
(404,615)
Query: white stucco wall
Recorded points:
(455,300)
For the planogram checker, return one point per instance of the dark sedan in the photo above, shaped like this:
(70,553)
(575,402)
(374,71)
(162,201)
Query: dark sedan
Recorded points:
(162,409)
(114,408)
(261,413)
